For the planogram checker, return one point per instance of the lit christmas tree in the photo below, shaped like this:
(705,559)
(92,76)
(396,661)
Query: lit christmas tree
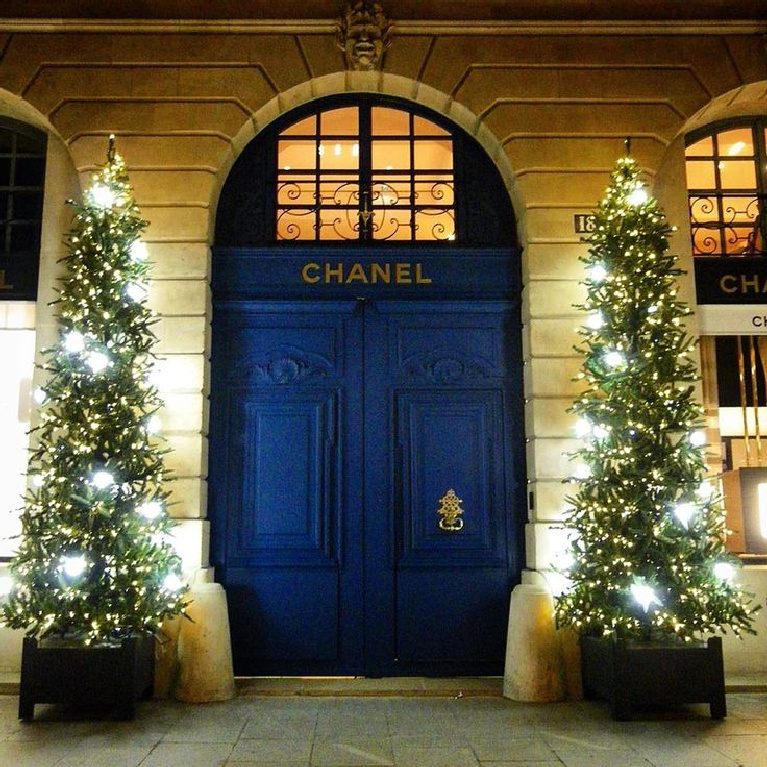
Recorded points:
(648,527)
(94,560)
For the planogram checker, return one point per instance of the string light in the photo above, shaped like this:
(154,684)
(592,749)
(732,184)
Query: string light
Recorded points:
(684,513)
(138,251)
(73,565)
(102,196)
(97,361)
(150,510)
(644,595)
(724,571)
(102,480)
(697,438)
(74,341)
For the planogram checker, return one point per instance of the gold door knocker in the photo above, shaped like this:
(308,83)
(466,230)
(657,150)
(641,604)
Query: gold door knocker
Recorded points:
(450,512)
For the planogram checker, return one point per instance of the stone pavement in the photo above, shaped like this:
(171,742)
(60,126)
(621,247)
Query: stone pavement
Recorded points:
(420,729)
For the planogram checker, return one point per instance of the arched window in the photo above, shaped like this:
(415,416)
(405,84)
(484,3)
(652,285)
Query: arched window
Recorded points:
(22,174)
(727,185)
(363,168)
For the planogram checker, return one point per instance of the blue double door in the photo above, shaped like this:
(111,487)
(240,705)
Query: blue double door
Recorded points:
(338,431)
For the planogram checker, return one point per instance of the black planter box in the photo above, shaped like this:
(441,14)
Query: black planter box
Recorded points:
(634,674)
(89,677)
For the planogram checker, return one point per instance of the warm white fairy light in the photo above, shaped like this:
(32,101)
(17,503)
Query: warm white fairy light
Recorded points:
(172,582)
(597,273)
(97,361)
(138,251)
(73,565)
(582,471)
(697,438)
(150,509)
(704,491)
(102,480)
(615,359)
(74,341)
(154,424)
(724,571)
(595,321)
(39,395)
(638,196)
(102,196)
(582,427)
(644,595)
(684,513)
(136,291)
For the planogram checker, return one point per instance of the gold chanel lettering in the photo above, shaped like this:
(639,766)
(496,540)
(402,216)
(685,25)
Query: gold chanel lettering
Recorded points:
(400,273)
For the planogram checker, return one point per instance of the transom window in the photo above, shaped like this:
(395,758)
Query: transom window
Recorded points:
(727,185)
(365,172)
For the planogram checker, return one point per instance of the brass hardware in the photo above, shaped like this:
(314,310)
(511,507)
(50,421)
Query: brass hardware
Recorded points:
(450,512)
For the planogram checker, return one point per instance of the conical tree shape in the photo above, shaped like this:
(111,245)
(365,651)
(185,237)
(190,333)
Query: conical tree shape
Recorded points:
(648,528)
(94,559)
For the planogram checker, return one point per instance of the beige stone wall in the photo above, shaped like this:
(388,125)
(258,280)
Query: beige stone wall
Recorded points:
(551,103)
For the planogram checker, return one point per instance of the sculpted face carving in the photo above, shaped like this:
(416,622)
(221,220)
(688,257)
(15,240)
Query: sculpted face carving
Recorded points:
(363,35)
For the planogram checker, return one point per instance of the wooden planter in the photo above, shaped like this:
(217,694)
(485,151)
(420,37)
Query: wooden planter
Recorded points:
(111,677)
(632,674)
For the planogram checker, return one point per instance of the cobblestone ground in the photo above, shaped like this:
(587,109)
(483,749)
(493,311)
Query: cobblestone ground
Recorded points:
(406,732)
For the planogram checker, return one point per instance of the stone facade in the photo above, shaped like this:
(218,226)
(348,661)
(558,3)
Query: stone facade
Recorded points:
(551,100)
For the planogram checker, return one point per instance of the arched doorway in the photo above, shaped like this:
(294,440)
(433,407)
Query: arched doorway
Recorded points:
(366,439)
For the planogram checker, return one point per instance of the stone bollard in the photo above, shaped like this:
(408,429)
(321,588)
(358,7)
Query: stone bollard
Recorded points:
(204,648)
(533,661)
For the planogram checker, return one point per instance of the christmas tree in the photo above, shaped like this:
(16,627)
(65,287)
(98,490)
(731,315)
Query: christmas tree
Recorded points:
(647,525)
(94,559)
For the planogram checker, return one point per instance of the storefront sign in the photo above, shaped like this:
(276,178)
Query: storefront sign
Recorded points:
(724,320)
(338,273)
(731,280)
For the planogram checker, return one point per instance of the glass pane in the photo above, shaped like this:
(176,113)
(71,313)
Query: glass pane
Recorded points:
(736,143)
(424,127)
(702,148)
(294,154)
(26,205)
(739,210)
(700,174)
(389,192)
(24,239)
(739,240)
(339,224)
(6,141)
(737,174)
(295,225)
(434,155)
(5,171)
(704,209)
(4,205)
(390,155)
(340,122)
(435,191)
(339,155)
(434,225)
(29,171)
(392,224)
(339,191)
(28,145)
(305,127)
(295,190)
(706,242)
(389,122)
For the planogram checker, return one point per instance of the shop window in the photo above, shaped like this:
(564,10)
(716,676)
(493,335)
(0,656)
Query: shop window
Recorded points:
(727,186)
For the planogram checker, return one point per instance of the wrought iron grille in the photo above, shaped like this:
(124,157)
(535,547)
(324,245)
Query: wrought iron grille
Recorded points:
(727,186)
(365,172)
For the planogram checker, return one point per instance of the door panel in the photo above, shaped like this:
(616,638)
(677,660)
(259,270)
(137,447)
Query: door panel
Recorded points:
(437,389)
(286,376)
(346,423)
